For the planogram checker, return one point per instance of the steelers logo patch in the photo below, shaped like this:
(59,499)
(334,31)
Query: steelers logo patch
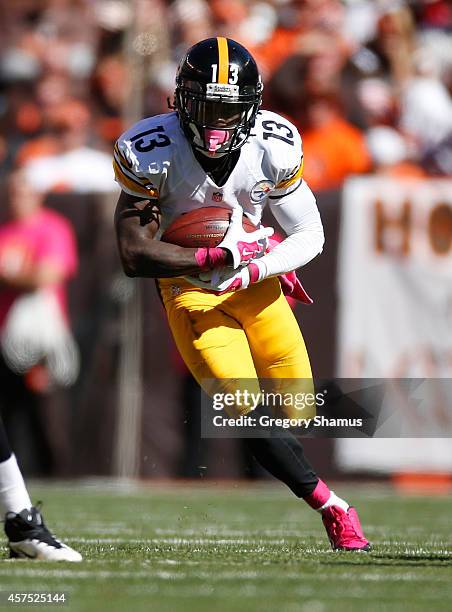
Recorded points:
(261,190)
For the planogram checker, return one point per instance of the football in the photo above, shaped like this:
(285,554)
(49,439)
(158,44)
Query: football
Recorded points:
(203,227)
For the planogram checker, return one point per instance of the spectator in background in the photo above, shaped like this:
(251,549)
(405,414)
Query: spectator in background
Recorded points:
(191,22)
(38,118)
(76,166)
(308,87)
(426,108)
(37,257)
(390,154)
(298,22)
(395,41)
(110,98)
(333,147)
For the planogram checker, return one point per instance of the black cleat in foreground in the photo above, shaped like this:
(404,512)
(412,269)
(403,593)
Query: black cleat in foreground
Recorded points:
(29,538)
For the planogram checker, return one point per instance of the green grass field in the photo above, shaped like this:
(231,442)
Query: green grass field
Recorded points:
(238,548)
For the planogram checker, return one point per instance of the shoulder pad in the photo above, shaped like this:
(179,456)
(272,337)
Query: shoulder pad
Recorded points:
(143,153)
(282,146)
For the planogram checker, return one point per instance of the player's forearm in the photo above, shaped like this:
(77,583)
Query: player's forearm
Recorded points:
(293,252)
(155,259)
(299,217)
(142,255)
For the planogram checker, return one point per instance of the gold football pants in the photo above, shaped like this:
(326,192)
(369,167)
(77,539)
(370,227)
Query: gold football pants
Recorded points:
(239,339)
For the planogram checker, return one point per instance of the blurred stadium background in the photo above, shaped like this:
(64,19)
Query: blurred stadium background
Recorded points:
(369,85)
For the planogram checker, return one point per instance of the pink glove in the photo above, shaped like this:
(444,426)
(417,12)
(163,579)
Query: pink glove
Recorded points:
(292,287)
(243,246)
(210,258)
(222,280)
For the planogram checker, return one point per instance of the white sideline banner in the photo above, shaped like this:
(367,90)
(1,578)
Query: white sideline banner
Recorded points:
(395,303)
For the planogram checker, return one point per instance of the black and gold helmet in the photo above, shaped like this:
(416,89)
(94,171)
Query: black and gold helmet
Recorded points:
(218,94)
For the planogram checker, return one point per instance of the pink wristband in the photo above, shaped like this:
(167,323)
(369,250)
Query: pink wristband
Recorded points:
(210,258)
(253,270)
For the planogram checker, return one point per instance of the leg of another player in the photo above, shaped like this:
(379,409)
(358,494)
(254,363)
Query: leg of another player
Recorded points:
(13,493)
(28,537)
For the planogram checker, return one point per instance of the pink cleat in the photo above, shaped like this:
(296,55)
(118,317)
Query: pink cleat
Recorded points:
(344,529)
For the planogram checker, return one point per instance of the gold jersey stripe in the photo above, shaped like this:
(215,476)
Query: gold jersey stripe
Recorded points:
(223,60)
(143,182)
(293,179)
(132,185)
(122,157)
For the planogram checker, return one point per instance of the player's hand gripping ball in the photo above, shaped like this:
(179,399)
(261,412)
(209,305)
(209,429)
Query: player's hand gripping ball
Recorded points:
(244,246)
(219,227)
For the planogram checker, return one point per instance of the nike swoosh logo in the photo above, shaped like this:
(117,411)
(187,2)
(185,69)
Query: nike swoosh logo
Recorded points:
(246,252)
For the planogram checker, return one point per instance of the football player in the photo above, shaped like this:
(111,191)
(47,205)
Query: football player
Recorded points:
(225,306)
(28,536)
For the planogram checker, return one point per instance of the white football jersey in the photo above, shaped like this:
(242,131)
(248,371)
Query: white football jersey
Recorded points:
(153,159)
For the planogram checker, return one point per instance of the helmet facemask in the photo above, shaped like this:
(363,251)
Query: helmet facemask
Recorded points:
(216,123)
